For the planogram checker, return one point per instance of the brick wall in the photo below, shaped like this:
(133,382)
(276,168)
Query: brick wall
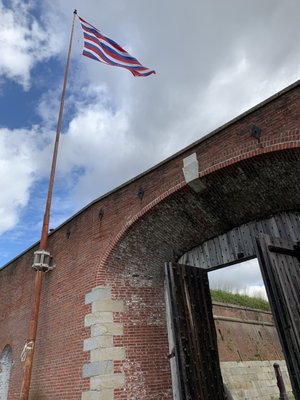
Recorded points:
(248,347)
(245,334)
(124,248)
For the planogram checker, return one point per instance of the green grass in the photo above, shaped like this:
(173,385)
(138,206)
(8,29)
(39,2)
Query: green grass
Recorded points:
(239,299)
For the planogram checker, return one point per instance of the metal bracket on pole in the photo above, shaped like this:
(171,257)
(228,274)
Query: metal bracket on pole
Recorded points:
(27,347)
(42,261)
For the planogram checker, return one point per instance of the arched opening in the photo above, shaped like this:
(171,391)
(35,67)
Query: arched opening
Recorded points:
(248,340)
(5,367)
(215,227)
(274,241)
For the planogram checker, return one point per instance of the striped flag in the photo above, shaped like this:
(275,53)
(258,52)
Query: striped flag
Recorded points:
(101,48)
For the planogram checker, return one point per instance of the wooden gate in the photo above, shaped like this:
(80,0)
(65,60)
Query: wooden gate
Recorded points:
(280,266)
(195,343)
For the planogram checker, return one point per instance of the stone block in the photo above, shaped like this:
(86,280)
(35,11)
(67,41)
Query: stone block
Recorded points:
(269,390)
(108,305)
(251,379)
(98,317)
(251,393)
(112,353)
(107,328)
(190,168)
(112,381)
(97,368)
(100,292)
(105,394)
(97,342)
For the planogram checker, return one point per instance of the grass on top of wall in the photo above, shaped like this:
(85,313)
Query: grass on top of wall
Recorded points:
(239,299)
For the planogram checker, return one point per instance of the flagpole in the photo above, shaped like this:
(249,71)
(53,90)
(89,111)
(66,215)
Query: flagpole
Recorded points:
(42,257)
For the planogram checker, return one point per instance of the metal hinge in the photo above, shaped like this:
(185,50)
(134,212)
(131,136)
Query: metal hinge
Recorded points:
(294,252)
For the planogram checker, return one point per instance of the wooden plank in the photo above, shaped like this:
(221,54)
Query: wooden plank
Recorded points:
(281,274)
(196,342)
(173,344)
(227,248)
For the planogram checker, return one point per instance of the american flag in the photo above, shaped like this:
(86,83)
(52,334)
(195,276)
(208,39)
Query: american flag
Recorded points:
(100,48)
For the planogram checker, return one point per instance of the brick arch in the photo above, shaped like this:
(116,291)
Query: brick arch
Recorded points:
(276,141)
(173,223)
(135,219)
(286,150)
(239,176)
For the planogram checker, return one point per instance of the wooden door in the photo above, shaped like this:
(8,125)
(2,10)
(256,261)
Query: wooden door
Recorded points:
(195,342)
(280,266)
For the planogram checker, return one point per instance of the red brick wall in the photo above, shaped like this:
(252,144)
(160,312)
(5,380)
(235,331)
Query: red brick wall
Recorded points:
(86,252)
(245,334)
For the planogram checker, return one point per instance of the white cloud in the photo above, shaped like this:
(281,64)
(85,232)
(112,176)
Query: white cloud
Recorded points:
(258,291)
(207,73)
(23,41)
(18,170)
(243,278)
(98,142)
(213,61)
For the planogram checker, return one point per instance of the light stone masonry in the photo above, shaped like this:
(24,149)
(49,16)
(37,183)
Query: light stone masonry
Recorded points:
(103,380)
(97,368)
(97,342)
(97,317)
(97,294)
(111,353)
(253,380)
(106,394)
(107,328)
(112,381)
(107,305)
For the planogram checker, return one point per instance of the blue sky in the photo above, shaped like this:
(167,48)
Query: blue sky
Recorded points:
(213,61)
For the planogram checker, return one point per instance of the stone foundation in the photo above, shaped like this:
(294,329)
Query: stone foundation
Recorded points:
(254,380)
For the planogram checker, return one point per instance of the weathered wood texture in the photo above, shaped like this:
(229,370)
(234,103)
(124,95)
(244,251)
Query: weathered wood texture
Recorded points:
(196,349)
(281,273)
(239,244)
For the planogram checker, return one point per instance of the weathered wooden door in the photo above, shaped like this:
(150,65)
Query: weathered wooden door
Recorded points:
(280,266)
(195,343)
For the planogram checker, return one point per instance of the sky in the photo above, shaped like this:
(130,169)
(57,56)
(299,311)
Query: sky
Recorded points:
(213,60)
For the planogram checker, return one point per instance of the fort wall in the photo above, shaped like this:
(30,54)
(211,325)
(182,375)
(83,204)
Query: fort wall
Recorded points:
(121,241)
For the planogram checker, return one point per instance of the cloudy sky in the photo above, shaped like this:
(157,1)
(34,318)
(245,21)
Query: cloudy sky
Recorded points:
(213,61)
